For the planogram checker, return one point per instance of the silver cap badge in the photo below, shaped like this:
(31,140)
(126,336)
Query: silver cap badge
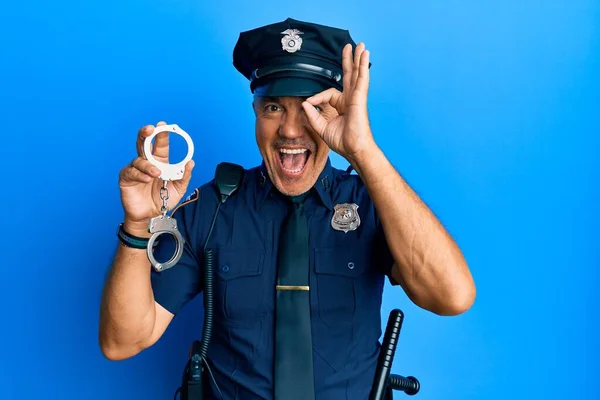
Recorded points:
(292,41)
(345,217)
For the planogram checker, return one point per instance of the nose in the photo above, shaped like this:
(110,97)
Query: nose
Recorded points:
(293,124)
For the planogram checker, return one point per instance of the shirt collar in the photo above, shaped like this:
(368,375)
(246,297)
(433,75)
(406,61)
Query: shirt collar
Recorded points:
(322,187)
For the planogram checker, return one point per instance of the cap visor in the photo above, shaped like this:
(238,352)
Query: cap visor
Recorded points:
(292,86)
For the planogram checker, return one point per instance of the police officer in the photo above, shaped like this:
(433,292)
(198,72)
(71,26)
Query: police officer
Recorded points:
(302,250)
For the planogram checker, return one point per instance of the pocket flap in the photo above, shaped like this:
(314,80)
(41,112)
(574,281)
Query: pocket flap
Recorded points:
(343,261)
(236,263)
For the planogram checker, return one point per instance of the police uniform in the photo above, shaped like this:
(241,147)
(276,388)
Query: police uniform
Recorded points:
(349,257)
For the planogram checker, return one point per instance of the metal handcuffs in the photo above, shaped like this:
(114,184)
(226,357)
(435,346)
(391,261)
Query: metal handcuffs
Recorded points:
(163,223)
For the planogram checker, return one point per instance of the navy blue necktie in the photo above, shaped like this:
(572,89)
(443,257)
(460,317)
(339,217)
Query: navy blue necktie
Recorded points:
(294,378)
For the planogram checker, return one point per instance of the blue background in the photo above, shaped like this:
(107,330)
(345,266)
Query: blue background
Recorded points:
(491,111)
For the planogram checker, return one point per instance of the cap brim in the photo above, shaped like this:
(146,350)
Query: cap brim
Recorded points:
(291,86)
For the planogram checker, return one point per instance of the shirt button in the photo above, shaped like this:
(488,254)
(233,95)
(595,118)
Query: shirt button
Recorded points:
(225,268)
(351,265)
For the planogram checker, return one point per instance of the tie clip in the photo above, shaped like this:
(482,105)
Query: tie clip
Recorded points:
(286,287)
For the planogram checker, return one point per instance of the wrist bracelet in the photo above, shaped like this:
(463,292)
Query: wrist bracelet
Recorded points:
(129,240)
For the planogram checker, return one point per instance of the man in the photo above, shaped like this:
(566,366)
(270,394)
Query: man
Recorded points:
(310,85)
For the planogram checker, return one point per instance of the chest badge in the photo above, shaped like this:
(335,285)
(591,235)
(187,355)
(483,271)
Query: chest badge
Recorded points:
(345,217)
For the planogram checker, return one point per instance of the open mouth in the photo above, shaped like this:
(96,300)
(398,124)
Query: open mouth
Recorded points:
(293,161)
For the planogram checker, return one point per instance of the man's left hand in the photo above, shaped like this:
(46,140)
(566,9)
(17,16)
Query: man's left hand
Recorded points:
(347,131)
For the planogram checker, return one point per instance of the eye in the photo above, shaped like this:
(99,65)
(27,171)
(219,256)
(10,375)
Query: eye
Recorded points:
(272,108)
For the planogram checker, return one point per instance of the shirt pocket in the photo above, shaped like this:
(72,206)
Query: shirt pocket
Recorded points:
(337,270)
(239,291)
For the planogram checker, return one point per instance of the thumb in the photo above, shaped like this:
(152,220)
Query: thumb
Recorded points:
(315,119)
(181,185)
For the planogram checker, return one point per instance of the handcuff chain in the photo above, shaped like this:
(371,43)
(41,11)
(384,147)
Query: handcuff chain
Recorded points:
(164,195)
(160,225)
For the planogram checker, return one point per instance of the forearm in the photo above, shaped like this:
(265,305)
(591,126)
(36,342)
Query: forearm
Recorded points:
(128,312)
(428,263)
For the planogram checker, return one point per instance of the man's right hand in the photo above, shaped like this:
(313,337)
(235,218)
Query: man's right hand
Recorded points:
(140,184)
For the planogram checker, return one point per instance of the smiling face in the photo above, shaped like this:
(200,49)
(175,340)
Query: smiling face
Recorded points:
(294,153)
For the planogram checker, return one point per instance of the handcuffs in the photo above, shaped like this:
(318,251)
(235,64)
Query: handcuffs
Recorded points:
(164,224)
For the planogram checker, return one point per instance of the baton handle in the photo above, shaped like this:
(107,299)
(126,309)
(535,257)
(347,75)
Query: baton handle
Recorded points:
(409,385)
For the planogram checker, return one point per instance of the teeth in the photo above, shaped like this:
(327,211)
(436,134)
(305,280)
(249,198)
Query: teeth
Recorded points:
(293,151)
(293,171)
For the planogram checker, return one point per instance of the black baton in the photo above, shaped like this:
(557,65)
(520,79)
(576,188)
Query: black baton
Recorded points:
(383,379)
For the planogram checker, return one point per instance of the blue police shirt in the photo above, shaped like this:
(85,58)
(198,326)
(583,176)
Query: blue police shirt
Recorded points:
(347,275)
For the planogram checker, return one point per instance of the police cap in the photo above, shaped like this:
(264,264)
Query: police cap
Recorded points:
(291,58)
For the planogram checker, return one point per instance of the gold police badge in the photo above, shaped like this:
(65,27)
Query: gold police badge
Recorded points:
(292,41)
(345,217)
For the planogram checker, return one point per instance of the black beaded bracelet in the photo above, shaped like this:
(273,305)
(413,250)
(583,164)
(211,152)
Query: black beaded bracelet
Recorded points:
(132,241)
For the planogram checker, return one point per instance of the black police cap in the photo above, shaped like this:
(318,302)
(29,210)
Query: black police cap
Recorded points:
(291,58)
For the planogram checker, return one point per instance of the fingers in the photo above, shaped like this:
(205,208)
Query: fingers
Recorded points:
(362,81)
(143,133)
(182,184)
(355,65)
(356,75)
(160,148)
(347,65)
(187,172)
(330,96)
(315,119)
(140,170)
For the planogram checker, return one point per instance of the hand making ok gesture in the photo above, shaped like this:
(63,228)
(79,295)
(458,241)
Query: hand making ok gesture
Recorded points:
(346,132)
